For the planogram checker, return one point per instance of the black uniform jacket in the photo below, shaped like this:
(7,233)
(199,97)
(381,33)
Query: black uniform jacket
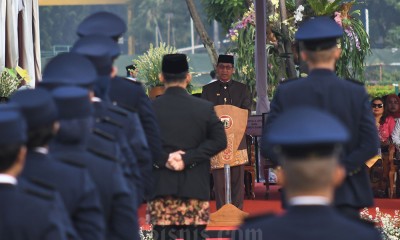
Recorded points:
(190,124)
(26,216)
(312,222)
(349,102)
(76,188)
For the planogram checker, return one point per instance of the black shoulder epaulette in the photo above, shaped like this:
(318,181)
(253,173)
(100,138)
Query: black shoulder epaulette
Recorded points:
(355,81)
(112,121)
(125,107)
(39,194)
(41,183)
(103,134)
(72,163)
(259,217)
(101,154)
(118,110)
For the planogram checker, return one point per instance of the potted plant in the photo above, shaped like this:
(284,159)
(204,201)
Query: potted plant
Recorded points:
(149,67)
(10,81)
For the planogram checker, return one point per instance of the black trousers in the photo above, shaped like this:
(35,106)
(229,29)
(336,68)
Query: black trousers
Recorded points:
(172,232)
(237,186)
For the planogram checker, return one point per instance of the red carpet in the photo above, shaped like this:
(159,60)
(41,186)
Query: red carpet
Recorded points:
(261,205)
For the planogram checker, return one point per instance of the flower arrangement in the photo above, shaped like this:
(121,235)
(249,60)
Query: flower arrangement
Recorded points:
(388,225)
(145,234)
(149,64)
(355,45)
(11,80)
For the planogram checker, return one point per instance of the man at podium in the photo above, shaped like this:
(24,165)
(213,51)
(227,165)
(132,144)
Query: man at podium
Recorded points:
(226,91)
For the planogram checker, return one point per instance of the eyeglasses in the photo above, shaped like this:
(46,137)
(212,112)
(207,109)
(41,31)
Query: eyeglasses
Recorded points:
(227,67)
(380,105)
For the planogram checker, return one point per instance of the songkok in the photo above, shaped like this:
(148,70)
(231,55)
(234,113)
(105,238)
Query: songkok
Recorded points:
(37,106)
(12,128)
(102,23)
(69,69)
(319,33)
(175,63)
(72,102)
(226,59)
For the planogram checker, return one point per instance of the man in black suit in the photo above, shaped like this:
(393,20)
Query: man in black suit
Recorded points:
(191,134)
(346,99)
(308,143)
(227,91)
(25,215)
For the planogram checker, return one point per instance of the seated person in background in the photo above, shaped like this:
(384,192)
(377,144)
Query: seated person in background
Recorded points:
(131,72)
(308,150)
(385,125)
(392,106)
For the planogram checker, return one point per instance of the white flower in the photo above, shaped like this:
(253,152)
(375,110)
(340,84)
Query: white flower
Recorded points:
(331,1)
(298,14)
(275,3)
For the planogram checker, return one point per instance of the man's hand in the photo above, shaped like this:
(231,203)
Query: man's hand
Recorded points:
(175,161)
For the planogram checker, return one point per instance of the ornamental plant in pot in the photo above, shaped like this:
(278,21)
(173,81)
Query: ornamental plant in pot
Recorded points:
(149,67)
(12,79)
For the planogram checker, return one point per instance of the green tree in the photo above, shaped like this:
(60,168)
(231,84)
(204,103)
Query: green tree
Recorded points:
(147,14)
(384,17)
(58,23)
(225,11)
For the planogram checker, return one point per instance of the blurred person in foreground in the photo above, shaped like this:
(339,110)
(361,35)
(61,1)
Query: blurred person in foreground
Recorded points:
(308,151)
(74,183)
(345,99)
(25,215)
(126,93)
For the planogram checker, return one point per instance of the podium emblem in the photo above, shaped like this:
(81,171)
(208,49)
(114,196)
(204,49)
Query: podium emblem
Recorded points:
(227,121)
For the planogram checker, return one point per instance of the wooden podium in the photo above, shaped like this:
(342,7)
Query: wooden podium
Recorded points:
(235,123)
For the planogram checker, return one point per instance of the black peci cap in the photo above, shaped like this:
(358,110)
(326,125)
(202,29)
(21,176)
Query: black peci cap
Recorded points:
(175,63)
(226,59)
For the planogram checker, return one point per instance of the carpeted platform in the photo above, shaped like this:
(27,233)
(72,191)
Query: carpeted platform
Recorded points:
(260,205)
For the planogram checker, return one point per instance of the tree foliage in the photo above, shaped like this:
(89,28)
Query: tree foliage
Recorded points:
(58,23)
(225,11)
(151,13)
(384,16)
